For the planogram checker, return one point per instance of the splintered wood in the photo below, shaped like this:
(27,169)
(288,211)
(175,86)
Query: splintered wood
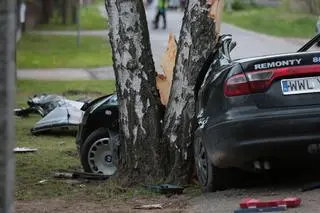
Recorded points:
(167,64)
(168,60)
(215,12)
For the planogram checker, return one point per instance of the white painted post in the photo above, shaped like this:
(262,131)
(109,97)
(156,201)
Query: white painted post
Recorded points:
(229,5)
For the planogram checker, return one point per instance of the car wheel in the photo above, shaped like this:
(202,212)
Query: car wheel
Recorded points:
(210,177)
(96,153)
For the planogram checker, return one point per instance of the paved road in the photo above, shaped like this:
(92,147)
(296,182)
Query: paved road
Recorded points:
(67,73)
(228,201)
(249,44)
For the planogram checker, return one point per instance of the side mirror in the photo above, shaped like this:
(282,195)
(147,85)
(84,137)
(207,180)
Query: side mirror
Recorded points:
(225,46)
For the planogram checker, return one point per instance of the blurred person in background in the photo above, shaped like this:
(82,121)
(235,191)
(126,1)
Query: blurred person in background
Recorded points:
(161,11)
(182,5)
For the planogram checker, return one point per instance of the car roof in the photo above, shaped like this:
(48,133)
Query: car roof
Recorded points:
(243,60)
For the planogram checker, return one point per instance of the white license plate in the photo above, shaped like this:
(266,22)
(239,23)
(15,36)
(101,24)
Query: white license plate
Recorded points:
(300,85)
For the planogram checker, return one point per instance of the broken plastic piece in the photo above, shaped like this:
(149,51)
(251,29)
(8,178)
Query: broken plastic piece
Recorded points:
(291,202)
(68,116)
(151,206)
(24,150)
(43,181)
(166,188)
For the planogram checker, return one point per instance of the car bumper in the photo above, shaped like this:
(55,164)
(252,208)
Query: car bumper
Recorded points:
(79,140)
(285,135)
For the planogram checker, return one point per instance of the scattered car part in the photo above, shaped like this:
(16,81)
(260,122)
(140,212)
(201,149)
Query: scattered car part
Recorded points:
(43,181)
(97,138)
(57,112)
(45,103)
(24,150)
(62,117)
(290,202)
(149,207)
(80,175)
(165,188)
(24,112)
(261,109)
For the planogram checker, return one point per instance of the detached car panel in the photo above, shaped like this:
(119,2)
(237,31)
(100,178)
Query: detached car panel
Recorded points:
(61,117)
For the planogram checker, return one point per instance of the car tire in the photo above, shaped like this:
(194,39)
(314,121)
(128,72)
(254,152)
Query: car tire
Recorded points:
(210,177)
(96,153)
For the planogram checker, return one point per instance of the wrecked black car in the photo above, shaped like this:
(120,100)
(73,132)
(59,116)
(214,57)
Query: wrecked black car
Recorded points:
(97,135)
(256,112)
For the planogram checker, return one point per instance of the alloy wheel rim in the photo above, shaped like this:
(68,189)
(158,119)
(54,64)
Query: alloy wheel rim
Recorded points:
(201,162)
(100,157)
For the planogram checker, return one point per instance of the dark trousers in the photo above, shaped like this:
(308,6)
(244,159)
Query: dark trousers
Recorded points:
(156,21)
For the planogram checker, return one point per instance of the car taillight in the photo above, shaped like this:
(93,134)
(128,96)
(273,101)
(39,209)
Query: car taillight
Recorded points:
(252,82)
(237,85)
(260,81)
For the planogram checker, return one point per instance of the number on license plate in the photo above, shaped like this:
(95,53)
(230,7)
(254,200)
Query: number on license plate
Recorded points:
(300,85)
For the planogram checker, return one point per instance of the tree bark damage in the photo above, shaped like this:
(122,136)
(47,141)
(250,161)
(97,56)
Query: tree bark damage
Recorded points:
(140,130)
(144,151)
(197,40)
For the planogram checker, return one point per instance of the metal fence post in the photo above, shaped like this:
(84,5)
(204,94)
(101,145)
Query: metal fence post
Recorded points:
(229,5)
(7,95)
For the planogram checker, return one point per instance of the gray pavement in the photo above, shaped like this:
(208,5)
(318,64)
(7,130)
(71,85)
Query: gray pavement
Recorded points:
(103,73)
(102,33)
(249,44)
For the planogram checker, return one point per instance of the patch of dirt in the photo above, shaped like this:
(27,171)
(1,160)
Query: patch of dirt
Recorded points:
(260,186)
(174,204)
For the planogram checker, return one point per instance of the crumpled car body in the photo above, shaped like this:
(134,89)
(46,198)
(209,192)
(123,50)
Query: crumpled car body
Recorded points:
(57,111)
(45,103)
(62,117)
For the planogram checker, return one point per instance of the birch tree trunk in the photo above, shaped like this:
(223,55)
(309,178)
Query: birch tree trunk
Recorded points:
(197,40)
(140,149)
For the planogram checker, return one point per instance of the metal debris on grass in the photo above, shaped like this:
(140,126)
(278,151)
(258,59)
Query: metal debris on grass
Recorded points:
(24,150)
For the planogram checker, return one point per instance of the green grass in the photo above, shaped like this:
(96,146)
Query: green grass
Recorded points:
(90,19)
(45,51)
(56,153)
(273,21)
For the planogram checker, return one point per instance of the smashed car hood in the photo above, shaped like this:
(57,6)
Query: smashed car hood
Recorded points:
(66,116)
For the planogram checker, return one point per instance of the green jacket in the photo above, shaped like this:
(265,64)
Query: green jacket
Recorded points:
(162,4)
